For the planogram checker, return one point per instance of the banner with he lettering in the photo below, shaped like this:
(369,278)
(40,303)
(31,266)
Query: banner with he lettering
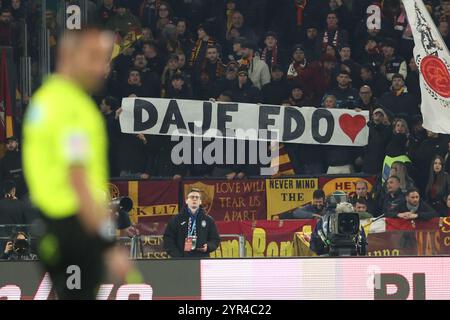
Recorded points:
(262,238)
(285,195)
(155,202)
(307,125)
(329,184)
(231,200)
(433,59)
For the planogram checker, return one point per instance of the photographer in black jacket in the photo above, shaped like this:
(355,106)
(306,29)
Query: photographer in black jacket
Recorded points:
(18,248)
(191,233)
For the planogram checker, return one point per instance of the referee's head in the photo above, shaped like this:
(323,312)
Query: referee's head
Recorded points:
(84,56)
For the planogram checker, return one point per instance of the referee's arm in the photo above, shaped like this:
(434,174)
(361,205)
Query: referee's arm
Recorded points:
(91,215)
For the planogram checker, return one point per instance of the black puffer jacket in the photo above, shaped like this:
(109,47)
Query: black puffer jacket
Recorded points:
(177,230)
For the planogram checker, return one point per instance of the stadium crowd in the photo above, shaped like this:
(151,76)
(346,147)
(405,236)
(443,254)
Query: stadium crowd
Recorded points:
(322,53)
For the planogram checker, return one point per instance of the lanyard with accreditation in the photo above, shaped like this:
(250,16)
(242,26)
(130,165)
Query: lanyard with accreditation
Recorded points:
(191,240)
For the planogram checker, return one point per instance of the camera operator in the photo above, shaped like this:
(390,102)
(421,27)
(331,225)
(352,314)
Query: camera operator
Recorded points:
(349,237)
(18,248)
(313,210)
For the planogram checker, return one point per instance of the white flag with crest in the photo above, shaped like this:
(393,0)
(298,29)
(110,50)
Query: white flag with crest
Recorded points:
(433,59)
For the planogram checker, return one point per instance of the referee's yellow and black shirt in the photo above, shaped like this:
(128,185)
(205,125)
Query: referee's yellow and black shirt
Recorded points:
(62,128)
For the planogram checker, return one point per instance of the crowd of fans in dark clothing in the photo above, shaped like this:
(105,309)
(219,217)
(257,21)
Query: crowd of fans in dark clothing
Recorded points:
(321,53)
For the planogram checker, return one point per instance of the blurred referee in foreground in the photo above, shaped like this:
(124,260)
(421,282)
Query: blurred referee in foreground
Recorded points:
(65,166)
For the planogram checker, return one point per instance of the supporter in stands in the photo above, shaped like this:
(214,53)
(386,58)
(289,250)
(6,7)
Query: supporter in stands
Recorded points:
(298,64)
(361,208)
(332,51)
(178,88)
(18,10)
(434,144)
(182,65)
(204,40)
(134,156)
(106,11)
(379,134)
(377,83)
(393,64)
(297,98)
(345,94)
(151,82)
(12,210)
(413,207)
(258,71)
(124,21)
(168,41)
(243,89)
(108,107)
(238,23)
(400,170)
(345,55)
(224,15)
(313,210)
(184,35)
(438,185)
(273,54)
(396,149)
(154,60)
(164,17)
(366,100)
(234,48)
(231,76)
(277,90)
(333,34)
(398,100)
(362,192)
(412,79)
(170,70)
(372,56)
(9,29)
(11,165)
(417,135)
(309,44)
(329,102)
(208,75)
(133,85)
(389,203)
(192,233)
(447,159)
(148,13)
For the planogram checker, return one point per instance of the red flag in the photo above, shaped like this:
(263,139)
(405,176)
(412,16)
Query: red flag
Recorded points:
(6,114)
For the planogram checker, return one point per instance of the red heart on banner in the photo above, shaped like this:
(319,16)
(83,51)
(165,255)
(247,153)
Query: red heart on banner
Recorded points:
(436,75)
(352,126)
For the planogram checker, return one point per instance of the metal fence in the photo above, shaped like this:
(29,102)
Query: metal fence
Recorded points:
(134,244)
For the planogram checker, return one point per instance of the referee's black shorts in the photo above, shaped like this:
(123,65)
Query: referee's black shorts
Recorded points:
(64,248)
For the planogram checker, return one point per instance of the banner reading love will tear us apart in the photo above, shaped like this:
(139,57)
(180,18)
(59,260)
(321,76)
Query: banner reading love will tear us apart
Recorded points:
(307,125)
